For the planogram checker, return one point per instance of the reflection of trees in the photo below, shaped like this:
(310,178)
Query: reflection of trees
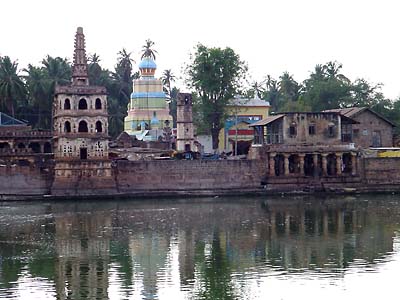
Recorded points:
(215,271)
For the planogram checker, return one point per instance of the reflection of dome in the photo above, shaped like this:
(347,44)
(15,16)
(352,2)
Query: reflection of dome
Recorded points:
(147,63)
(154,121)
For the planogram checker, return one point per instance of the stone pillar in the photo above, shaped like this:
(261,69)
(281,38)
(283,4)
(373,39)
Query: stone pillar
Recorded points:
(353,163)
(42,148)
(338,163)
(315,162)
(324,164)
(286,163)
(301,156)
(272,164)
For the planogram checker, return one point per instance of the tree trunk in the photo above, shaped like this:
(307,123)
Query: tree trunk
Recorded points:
(215,138)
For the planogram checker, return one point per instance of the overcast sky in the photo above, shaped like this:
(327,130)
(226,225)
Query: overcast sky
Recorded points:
(271,36)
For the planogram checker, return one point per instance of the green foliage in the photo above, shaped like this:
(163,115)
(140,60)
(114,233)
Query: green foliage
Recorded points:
(215,74)
(12,88)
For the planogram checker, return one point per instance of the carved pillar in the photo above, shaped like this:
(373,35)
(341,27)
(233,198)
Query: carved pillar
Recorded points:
(272,164)
(301,156)
(353,163)
(338,163)
(315,163)
(286,163)
(324,164)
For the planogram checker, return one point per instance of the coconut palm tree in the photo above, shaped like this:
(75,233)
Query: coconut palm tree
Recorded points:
(40,96)
(12,88)
(147,50)
(167,77)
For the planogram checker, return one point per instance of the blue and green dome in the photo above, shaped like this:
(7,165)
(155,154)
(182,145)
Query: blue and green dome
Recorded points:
(147,63)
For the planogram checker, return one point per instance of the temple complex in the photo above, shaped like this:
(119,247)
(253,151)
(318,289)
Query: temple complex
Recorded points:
(148,108)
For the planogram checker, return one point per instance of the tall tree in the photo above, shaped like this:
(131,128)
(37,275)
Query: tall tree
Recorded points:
(167,78)
(216,75)
(12,88)
(38,87)
(148,51)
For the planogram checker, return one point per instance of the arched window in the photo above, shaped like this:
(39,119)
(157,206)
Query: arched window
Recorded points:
(21,146)
(67,104)
(97,105)
(67,126)
(82,104)
(83,126)
(47,147)
(99,126)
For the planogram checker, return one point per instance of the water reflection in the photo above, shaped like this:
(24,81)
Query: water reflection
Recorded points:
(196,249)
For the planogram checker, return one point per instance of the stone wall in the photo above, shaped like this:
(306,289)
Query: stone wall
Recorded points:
(17,182)
(190,175)
(381,173)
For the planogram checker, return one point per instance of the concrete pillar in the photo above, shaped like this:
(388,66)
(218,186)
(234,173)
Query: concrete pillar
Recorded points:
(324,164)
(338,163)
(301,156)
(272,164)
(316,167)
(286,163)
(353,163)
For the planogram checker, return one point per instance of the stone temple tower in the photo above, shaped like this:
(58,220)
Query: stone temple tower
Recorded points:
(80,128)
(184,123)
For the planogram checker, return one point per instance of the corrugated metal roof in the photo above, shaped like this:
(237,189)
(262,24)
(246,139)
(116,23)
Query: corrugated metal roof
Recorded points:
(353,111)
(249,102)
(267,120)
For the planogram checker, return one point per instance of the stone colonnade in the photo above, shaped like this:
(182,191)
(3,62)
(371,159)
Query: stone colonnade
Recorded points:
(312,164)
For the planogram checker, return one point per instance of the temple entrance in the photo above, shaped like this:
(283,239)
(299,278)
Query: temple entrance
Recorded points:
(279,165)
(83,153)
(347,166)
(331,164)
(294,164)
(308,165)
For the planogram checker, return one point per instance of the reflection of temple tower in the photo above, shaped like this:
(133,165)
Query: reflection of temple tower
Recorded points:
(80,126)
(148,109)
(83,248)
(184,123)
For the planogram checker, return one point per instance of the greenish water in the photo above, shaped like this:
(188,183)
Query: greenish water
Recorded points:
(212,248)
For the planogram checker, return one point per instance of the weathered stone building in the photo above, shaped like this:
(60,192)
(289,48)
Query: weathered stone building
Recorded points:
(80,128)
(371,129)
(306,144)
(184,123)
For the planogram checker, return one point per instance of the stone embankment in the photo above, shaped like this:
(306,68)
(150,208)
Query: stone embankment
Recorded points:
(198,177)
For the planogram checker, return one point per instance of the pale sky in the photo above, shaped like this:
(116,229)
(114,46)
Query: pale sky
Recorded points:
(272,36)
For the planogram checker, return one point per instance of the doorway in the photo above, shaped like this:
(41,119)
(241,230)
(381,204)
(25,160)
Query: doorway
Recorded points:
(83,153)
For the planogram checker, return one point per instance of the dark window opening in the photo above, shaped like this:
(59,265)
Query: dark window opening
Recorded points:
(83,153)
(99,127)
(67,104)
(82,127)
(82,104)
(98,104)
(187,147)
(67,126)
(331,131)
(35,147)
(311,129)
(292,130)
(21,146)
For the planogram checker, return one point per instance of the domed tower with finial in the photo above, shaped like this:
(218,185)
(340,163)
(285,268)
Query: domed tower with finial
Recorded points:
(80,124)
(148,107)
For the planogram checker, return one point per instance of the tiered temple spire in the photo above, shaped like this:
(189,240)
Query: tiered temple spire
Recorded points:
(79,68)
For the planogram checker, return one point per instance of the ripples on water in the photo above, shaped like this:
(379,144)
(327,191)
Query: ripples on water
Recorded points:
(201,249)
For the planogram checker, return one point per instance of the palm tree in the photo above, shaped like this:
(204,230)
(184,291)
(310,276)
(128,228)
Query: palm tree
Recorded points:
(258,89)
(12,88)
(167,77)
(148,51)
(39,94)
(288,87)
(57,70)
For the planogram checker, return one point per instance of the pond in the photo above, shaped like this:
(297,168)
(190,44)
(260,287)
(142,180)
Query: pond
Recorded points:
(207,248)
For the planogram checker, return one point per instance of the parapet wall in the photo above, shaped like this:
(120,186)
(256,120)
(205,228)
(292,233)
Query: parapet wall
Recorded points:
(188,175)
